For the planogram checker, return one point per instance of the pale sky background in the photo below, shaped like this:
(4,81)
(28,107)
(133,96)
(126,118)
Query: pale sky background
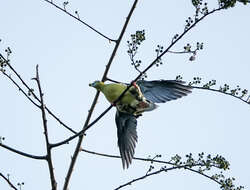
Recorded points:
(70,56)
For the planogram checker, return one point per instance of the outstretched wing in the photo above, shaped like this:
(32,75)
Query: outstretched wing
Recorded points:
(160,91)
(127,136)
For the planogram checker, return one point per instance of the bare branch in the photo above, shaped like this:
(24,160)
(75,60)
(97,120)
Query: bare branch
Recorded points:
(60,121)
(105,78)
(246,100)
(32,93)
(82,131)
(135,158)
(78,19)
(20,89)
(182,52)
(137,78)
(111,80)
(23,153)
(150,174)
(45,127)
(175,41)
(119,40)
(8,181)
(186,166)
(86,126)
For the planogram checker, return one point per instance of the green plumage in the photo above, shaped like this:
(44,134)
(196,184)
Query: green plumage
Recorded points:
(113,91)
(140,97)
(132,102)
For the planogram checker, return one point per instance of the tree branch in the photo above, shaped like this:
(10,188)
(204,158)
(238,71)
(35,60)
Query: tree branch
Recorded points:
(227,93)
(186,166)
(175,41)
(150,174)
(160,171)
(33,94)
(23,153)
(8,181)
(137,78)
(85,127)
(20,89)
(205,88)
(105,78)
(45,127)
(78,19)
(82,131)
(182,52)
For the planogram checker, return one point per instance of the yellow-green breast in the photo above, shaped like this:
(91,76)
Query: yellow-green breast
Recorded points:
(113,91)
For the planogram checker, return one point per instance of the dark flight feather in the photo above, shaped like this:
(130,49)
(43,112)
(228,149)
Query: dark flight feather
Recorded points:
(127,136)
(161,91)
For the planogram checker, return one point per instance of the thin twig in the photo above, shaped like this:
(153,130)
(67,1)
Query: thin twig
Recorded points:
(154,173)
(227,93)
(204,88)
(59,121)
(8,181)
(86,126)
(149,174)
(205,175)
(33,94)
(135,158)
(132,56)
(82,131)
(114,81)
(175,41)
(81,21)
(45,127)
(105,78)
(138,77)
(23,153)
(20,89)
(151,160)
(182,52)
(165,51)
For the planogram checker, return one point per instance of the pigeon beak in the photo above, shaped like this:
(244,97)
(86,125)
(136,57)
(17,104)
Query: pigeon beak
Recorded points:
(90,84)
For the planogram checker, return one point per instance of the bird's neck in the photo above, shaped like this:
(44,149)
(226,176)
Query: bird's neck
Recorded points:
(100,86)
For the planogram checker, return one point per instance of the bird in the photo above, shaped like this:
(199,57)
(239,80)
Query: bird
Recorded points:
(142,96)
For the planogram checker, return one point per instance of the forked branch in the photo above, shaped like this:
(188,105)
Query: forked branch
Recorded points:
(77,17)
(8,181)
(45,128)
(30,90)
(199,166)
(23,153)
(137,78)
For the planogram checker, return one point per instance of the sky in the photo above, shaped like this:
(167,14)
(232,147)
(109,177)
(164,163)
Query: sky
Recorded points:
(70,56)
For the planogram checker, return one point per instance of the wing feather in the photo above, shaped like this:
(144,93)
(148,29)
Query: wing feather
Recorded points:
(160,91)
(127,136)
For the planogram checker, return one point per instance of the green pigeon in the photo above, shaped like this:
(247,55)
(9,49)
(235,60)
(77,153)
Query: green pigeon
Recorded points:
(140,97)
